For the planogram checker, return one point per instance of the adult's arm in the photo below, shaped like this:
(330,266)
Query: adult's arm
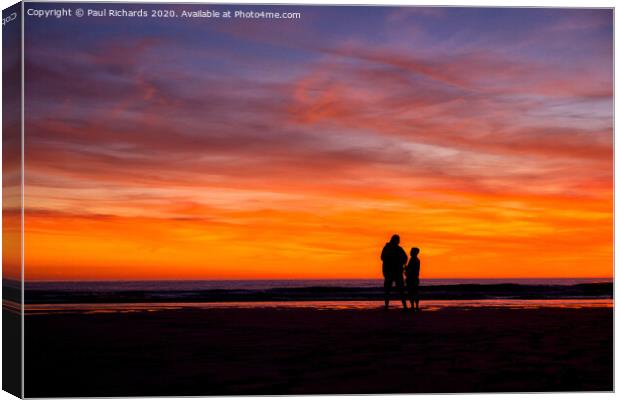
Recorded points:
(403,256)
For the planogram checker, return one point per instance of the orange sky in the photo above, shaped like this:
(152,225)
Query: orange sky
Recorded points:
(460,236)
(248,154)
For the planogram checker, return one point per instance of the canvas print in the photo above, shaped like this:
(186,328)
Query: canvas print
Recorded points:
(224,199)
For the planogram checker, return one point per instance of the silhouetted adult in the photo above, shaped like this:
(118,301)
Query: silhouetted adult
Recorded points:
(394,259)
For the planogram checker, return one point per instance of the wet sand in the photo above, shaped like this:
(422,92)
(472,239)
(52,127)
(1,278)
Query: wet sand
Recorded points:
(308,351)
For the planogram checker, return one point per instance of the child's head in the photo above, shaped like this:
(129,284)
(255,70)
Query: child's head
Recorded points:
(414,251)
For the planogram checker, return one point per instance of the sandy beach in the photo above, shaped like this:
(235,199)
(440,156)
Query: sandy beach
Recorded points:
(306,351)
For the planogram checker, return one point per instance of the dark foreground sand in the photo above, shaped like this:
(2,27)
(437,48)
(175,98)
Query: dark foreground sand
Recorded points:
(304,351)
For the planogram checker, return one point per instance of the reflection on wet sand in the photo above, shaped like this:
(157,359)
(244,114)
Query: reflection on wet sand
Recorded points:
(431,305)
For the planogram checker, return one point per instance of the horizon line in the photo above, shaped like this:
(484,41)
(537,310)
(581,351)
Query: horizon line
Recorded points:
(295,279)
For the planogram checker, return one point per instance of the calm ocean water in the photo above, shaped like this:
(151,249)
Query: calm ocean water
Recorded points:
(140,296)
(232,285)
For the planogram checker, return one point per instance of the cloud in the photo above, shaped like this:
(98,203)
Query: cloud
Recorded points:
(246,134)
(419,110)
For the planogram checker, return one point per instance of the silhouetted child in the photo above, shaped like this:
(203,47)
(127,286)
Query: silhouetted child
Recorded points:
(412,272)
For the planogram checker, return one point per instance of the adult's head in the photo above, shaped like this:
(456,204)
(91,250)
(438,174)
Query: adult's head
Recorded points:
(395,239)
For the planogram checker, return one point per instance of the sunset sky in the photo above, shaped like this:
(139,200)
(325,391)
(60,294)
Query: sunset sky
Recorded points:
(256,149)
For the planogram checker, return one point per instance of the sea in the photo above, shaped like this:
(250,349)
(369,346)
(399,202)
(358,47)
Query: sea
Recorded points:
(137,296)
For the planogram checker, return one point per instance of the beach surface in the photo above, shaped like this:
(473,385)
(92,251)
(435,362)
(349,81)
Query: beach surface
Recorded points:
(318,351)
